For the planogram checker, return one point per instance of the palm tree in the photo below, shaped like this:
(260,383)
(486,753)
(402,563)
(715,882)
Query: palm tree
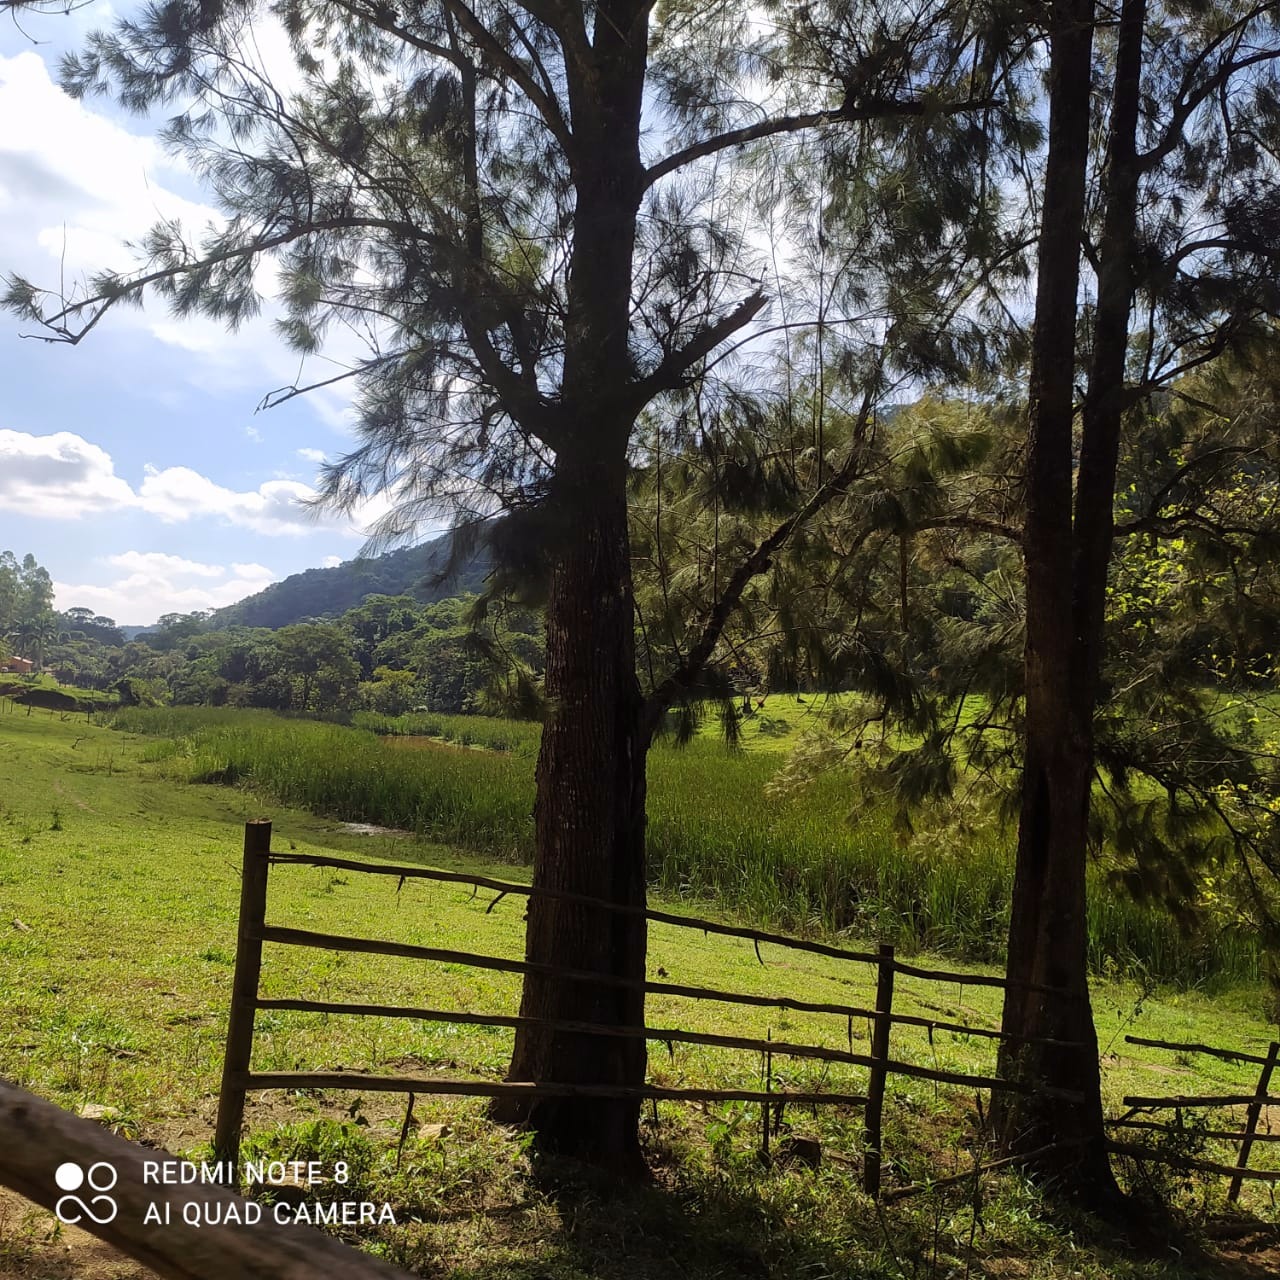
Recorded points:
(34,635)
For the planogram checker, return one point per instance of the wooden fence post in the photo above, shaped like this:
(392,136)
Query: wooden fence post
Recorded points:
(880,1057)
(244,994)
(1251,1120)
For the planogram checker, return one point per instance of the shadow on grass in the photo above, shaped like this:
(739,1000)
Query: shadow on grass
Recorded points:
(792,1225)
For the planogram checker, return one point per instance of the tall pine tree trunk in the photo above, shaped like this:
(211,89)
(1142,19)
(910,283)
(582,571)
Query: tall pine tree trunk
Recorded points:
(590,823)
(1067,561)
(1107,398)
(590,803)
(1048,937)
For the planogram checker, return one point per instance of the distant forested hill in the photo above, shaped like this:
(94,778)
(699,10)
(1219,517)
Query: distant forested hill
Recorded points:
(320,593)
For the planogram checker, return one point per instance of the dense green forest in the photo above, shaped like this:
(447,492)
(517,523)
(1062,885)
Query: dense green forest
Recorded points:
(389,654)
(418,571)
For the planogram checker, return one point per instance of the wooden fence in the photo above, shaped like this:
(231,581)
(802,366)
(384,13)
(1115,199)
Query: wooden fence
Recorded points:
(238,1078)
(1246,1138)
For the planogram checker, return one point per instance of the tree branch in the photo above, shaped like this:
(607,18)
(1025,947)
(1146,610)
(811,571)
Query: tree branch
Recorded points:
(96,305)
(1185,109)
(757,562)
(846,113)
(282,395)
(1218,454)
(975,524)
(547,107)
(671,369)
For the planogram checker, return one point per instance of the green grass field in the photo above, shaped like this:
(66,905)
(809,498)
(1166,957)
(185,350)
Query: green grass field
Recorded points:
(118,898)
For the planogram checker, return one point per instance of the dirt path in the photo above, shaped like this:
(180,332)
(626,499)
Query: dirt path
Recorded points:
(35,1246)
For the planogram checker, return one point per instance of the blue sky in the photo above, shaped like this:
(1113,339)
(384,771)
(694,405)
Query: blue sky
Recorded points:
(134,466)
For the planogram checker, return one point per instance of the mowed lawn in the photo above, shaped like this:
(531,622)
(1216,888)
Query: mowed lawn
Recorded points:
(119,889)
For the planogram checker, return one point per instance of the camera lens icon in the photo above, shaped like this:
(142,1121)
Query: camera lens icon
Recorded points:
(100,1177)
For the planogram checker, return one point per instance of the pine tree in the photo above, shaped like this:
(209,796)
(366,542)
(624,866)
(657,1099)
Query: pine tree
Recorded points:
(1192,94)
(537,213)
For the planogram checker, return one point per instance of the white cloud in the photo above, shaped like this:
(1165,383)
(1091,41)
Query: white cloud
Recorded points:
(63,476)
(331,562)
(312,455)
(82,183)
(159,563)
(159,583)
(76,186)
(277,506)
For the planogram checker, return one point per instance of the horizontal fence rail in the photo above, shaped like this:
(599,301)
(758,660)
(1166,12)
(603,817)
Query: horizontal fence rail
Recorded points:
(1227,1055)
(1191,1162)
(1247,1137)
(503,964)
(667,1035)
(254,932)
(1228,1135)
(851,1011)
(531,1089)
(1192,1101)
(504,887)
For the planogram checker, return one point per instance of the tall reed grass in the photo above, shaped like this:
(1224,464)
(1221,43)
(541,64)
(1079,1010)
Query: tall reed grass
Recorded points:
(518,736)
(476,798)
(801,863)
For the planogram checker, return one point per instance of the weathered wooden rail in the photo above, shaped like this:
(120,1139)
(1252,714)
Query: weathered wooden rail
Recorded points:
(1254,1102)
(239,1079)
(39,1137)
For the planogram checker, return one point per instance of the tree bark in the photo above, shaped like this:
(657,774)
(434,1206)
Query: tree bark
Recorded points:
(1105,403)
(590,824)
(1048,938)
(589,809)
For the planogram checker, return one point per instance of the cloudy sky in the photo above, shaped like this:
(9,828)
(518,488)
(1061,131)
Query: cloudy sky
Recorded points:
(134,466)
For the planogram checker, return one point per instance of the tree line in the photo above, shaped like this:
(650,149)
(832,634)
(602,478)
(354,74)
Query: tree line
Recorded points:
(391,655)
